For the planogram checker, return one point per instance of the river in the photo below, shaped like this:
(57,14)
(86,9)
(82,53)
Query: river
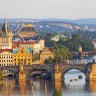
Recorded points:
(75,87)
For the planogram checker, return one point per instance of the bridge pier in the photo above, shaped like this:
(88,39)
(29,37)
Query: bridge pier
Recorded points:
(22,76)
(93,72)
(57,77)
(22,86)
(22,73)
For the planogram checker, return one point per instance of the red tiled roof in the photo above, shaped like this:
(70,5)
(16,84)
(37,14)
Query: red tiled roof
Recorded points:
(50,49)
(25,42)
(2,50)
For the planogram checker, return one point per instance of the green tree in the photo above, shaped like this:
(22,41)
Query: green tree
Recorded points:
(87,45)
(49,61)
(61,53)
(57,93)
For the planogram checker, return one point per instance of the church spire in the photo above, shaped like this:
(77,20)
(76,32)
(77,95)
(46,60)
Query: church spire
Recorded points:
(5,27)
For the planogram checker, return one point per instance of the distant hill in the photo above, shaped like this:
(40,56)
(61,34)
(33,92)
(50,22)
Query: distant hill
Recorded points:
(77,21)
(84,21)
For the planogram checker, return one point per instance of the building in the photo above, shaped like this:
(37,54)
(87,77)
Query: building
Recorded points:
(45,54)
(5,37)
(27,31)
(34,45)
(6,57)
(22,55)
(58,36)
(80,48)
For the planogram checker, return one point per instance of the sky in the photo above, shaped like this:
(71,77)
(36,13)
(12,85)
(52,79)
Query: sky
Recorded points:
(64,9)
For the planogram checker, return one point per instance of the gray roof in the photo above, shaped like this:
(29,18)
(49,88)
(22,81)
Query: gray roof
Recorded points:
(27,29)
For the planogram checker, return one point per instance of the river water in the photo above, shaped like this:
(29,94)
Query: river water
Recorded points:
(71,86)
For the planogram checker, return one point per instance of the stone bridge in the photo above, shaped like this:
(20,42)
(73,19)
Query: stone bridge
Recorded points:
(57,71)
(27,69)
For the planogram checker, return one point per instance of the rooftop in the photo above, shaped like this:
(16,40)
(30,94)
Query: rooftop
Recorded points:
(27,28)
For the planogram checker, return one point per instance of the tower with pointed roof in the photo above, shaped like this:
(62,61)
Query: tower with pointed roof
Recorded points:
(5,37)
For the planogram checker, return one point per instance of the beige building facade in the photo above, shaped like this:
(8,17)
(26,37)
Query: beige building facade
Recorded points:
(6,58)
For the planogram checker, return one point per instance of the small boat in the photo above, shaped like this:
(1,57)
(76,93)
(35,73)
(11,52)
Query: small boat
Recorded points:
(80,76)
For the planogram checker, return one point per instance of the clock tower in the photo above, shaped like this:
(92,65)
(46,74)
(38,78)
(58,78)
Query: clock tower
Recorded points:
(5,37)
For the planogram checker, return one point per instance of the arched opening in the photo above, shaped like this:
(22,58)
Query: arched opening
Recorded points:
(9,74)
(39,74)
(74,77)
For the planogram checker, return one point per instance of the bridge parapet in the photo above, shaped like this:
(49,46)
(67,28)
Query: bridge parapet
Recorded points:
(10,68)
(38,67)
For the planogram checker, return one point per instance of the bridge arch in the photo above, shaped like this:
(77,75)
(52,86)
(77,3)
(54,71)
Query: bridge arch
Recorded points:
(42,69)
(65,71)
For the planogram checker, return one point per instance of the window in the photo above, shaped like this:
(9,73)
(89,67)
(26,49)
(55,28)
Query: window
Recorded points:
(21,51)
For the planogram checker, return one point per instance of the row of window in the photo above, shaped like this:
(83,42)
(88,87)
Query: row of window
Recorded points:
(14,60)
(6,64)
(27,34)
(11,64)
(21,56)
(21,60)
(6,60)
(26,64)
(5,57)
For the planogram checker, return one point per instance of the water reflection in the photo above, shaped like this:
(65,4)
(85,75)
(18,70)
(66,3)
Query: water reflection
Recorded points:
(39,88)
(72,78)
(92,86)
(73,85)
(22,86)
(6,87)
(58,86)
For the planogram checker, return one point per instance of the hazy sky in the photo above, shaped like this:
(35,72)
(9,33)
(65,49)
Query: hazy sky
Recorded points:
(66,9)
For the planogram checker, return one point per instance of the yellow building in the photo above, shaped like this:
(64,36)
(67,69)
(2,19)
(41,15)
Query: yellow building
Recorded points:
(45,54)
(6,57)
(27,31)
(5,37)
(22,55)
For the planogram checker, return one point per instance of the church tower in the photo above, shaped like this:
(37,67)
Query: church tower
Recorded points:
(5,37)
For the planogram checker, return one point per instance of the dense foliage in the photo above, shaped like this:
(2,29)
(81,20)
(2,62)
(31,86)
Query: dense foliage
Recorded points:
(76,40)
(71,43)
(63,47)
(61,53)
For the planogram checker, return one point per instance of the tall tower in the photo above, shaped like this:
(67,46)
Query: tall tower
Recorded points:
(5,37)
